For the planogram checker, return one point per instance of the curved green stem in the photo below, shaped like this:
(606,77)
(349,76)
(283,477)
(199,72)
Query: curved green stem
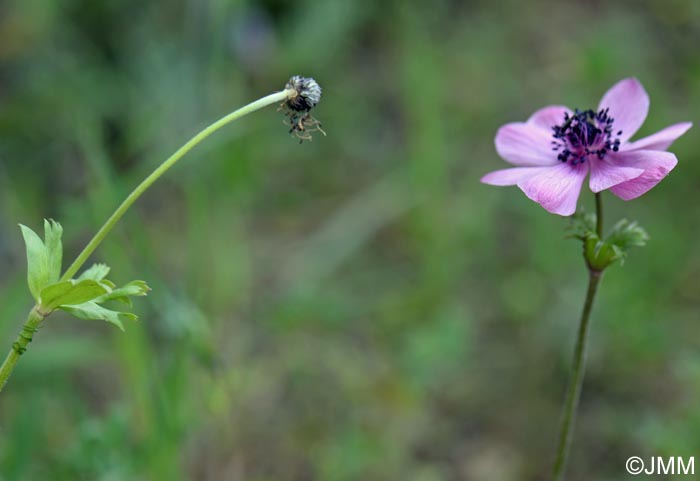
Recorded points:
(35,317)
(162,168)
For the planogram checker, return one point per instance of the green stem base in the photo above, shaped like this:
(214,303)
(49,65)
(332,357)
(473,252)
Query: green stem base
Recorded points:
(34,320)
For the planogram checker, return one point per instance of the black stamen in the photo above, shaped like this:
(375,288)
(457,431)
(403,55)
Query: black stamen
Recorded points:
(585,133)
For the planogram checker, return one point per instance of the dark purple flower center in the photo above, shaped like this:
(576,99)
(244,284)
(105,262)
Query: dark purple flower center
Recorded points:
(585,133)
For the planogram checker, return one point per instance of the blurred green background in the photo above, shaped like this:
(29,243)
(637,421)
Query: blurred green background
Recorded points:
(355,308)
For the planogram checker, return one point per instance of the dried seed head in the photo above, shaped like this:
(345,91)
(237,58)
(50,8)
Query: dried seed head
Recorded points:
(303,94)
(307,93)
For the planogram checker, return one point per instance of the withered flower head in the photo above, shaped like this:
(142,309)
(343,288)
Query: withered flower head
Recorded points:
(307,93)
(304,95)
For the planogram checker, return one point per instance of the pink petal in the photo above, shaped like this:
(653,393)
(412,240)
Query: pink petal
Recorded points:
(656,165)
(662,139)
(511,176)
(629,104)
(525,144)
(556,188)
(548,117)
(605,174)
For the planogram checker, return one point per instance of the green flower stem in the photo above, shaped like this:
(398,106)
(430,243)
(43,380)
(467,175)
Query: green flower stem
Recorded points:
(573,392)
(35,317)
(25,336)
(599,215)
(156,174)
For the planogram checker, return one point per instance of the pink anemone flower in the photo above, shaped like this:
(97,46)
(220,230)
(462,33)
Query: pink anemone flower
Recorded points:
(556,148)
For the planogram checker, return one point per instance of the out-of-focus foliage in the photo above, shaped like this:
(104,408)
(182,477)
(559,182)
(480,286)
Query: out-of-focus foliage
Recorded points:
(357,307)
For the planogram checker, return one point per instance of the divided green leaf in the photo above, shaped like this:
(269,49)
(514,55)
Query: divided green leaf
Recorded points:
(628,234)
(54,248)
(582,226)
(124,294)
(70,292)
(43,257)
(95,290)
(625,235)
(96,273)
(93,311)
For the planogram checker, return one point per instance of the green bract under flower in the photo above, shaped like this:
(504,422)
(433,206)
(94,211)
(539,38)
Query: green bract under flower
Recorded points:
(601,253)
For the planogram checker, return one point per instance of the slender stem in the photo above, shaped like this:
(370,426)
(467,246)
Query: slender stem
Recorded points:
(599,214)
(25,336)
(35,316)
(575,382)
(156,174)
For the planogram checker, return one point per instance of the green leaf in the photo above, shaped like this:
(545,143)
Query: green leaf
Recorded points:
(43,260)
(628,234)
(122,294)
(625,235)
(93,311)
(582,226)
(36,261)
(70,292)
(54,248)
(96,273)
